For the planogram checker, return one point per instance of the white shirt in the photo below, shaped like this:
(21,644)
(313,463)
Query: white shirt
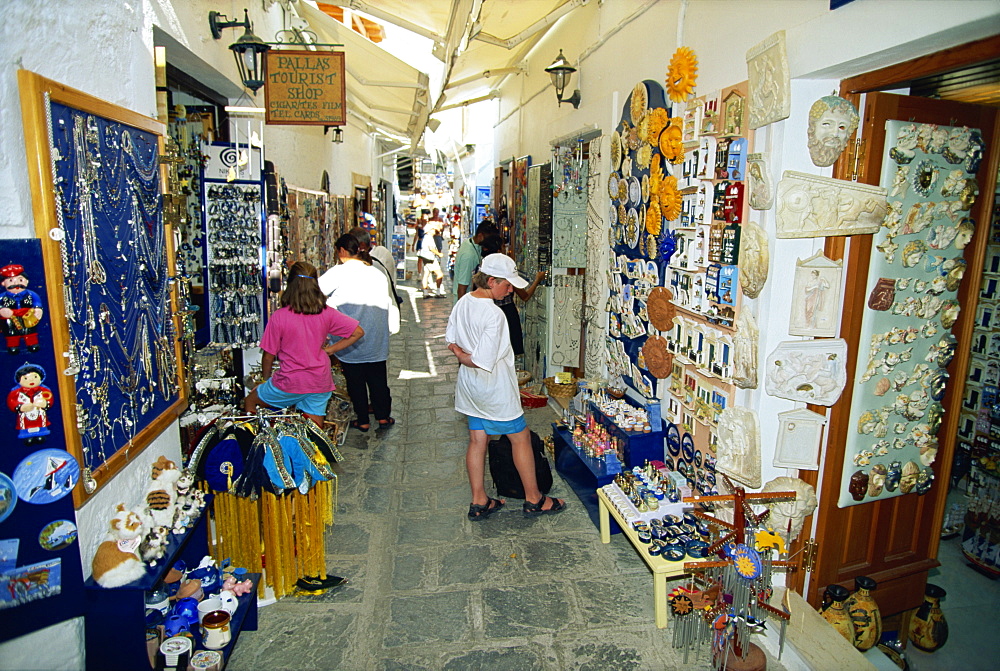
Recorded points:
(490,391)
(362,292)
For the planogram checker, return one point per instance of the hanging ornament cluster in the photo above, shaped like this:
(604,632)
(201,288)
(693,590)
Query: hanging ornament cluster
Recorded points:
(568,161)
(682,74)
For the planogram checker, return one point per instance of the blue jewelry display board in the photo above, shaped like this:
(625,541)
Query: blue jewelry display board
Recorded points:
(94,170)
(41,582)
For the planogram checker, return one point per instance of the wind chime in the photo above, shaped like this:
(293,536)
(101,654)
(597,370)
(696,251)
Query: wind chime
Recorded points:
(726,599)
(570,160)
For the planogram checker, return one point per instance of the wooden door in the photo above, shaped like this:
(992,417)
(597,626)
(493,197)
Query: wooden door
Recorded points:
(895,541)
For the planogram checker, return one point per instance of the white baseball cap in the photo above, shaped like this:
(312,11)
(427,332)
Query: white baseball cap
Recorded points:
(501,265)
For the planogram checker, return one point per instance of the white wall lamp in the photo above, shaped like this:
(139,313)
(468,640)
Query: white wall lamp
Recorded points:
(561,71)
(249,49)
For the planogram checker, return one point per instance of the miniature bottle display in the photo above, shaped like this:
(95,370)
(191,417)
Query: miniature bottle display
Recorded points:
(864,613)
(929,629)
(836,614)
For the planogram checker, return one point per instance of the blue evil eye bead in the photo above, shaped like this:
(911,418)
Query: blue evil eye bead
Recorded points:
(696,549)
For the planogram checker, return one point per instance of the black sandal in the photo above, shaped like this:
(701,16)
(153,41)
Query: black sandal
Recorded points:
(536,509)
(359,426)
(386,423)
(477,512)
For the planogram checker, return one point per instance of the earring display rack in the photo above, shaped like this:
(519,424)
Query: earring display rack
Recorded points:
(96,186)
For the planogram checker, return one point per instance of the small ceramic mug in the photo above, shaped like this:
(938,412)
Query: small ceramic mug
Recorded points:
(215,632)
(207,606)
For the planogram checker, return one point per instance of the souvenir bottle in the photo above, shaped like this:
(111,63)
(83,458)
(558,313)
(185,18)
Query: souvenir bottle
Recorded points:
(836,614)
(928,628)
(864,613)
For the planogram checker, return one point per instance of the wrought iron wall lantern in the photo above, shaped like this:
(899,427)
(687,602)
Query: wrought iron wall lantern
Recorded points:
(336,133)
(560,71)
(249,49)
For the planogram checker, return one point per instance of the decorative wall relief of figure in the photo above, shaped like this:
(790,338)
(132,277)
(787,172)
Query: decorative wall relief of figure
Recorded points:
(20,310)
(759,182)
(769,81)
(738,450)
(745,344)
(816,297)
(754,259)
(810,206)
(832,120)
(808,371)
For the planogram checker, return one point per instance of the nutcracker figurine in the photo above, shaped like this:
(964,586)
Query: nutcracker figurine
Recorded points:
(20,310)
(31,401)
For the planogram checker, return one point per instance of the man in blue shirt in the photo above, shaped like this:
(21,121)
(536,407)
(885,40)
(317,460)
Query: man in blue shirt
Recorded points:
(468,257)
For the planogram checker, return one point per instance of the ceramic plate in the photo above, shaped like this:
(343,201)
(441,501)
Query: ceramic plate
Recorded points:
(645,189)
(632,229)
(637,103)
(613,185)
(612,215)
(616,150)
(634,191)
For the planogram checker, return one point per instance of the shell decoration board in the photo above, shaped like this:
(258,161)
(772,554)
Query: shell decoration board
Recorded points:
(906,342)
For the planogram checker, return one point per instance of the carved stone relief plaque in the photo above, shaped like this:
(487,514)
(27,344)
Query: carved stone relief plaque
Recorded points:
(759,182)
(738,453)
(745,344)
(769,81)
(812,371)
(754,259)
(810,206)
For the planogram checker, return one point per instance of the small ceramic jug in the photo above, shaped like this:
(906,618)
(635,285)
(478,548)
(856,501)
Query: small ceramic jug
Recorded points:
(836,614)
(215,631)
(864,613)
(929,629)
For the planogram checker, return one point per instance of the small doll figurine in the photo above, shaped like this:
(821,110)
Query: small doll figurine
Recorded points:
(20,310)
(30,400)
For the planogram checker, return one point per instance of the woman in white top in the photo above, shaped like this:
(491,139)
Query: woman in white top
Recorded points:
(360,291)
(487,390)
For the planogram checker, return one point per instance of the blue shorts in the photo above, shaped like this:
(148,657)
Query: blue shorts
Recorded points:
(313,403)
(494,428)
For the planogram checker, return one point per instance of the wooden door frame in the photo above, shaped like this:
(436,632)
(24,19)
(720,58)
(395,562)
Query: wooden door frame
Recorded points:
(851,88)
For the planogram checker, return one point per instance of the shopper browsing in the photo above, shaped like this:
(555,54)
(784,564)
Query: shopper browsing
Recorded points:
(493,244)
(299,335)
(360,291)
(486,390)
(432,276)
(469,255)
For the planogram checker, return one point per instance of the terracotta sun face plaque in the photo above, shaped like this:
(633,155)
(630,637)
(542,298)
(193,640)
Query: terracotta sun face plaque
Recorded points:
(659,361)
(660,310)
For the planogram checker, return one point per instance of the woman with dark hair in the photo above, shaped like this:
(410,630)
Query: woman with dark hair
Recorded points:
(301,334)
(360,291)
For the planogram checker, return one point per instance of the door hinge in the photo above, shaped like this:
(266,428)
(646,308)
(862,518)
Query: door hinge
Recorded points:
(856,158)
(809,551)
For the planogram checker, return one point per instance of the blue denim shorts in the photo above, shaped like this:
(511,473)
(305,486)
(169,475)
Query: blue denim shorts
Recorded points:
(494,428)
(313,403)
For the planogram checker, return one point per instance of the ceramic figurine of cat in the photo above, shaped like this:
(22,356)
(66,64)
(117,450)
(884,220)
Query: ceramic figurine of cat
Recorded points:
(154,545)
(117,561)
(161,496)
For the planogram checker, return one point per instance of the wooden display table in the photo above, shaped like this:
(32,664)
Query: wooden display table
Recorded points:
(661,568)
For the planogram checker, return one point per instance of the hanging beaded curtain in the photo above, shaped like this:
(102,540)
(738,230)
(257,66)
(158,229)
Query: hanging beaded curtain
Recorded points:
(115,282)
(596,280)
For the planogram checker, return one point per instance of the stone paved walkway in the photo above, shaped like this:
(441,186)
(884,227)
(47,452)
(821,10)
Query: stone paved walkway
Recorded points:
(430,589)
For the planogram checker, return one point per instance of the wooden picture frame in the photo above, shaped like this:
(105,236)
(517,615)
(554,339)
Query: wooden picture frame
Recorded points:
(157,355)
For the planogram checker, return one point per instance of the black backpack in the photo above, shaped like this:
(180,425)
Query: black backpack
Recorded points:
(505,476)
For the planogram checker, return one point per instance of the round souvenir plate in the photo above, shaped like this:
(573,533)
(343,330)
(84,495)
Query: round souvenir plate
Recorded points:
(697,458)
(57,535)
(632,229)
(638,103)
(612,215)
(687,447)
(669,463)
(634,191)
(645,188)
(46,476)
(613,180)
(616,150)
(673,440)
(8,495)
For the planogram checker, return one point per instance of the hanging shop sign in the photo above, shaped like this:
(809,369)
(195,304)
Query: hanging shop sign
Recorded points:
(305,88)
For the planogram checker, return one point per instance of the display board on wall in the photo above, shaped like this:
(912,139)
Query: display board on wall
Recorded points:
(95,180)
(304,88)
(914,275)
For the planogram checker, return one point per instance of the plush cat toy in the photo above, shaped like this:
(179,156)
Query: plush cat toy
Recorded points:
(154,545)
(161,496)
(116,561)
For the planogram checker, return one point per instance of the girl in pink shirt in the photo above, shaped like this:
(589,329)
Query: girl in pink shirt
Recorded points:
(301,334)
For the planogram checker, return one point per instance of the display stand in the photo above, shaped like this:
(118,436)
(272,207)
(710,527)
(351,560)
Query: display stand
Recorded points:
(115,621)
(583,474)
(640,447)
(661,568)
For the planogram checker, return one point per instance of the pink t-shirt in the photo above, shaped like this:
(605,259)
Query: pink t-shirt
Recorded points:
(297,341)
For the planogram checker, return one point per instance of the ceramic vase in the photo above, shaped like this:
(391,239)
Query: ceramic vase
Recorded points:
(836,614)
(864,613)
(928,628)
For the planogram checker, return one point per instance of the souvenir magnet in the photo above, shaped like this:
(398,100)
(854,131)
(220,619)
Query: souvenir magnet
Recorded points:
(883,294)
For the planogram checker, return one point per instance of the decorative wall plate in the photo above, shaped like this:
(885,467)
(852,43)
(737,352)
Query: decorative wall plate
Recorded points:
(616,150)
(613,181)
(638,103)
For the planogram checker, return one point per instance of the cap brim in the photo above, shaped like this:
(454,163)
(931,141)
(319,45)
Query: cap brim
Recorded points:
(518,282)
